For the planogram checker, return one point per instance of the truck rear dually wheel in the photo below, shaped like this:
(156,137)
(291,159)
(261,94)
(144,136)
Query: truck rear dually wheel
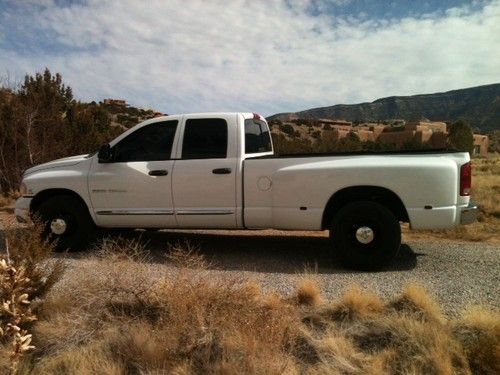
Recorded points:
(365,235)
(67,222)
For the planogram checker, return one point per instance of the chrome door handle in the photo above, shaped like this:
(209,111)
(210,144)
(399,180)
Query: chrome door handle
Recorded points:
(158,172)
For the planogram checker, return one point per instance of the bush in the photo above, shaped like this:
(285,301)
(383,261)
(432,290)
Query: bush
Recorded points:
(26,277)
(460,137)
(287,129)
(284,146)
(114,315)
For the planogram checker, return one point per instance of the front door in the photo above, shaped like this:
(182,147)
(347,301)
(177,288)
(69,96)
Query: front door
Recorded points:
(204,178)
(135,188)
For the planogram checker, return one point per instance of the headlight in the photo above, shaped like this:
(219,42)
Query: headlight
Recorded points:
(23,189)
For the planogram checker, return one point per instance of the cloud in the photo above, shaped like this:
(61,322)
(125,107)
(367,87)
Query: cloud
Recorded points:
(266,56)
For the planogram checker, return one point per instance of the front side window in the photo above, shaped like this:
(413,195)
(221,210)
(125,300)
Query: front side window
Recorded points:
(257,138)
(151,142)
(205,139)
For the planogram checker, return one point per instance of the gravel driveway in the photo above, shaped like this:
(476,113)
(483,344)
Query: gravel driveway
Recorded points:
(457,273)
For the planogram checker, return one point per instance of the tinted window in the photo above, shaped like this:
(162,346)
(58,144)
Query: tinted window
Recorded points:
(205,139)
(151,142)
(257,137)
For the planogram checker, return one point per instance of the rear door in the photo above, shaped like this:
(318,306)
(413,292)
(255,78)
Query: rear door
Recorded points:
(205,172)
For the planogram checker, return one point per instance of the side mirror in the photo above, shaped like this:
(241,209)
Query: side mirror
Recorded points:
(105,155)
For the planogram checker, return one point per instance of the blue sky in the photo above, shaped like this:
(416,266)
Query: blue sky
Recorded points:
(260,56)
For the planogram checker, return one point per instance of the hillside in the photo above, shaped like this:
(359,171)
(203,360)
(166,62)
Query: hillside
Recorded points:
(127,116)
(480,106)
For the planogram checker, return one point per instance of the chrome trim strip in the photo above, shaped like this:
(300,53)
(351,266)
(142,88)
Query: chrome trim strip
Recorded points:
(135,212)
(204,212)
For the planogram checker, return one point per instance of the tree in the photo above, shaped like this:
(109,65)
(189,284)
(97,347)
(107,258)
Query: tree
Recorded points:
(494,144)
(40,121)
(283,145)
(327,142)
(460,137)
(350,143)
(45,101)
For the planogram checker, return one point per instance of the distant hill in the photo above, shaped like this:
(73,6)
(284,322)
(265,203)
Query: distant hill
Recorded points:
(127,116)
(480,106)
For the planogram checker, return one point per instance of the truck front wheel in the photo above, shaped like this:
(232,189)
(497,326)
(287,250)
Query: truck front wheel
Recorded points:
(67,222)
(366,235)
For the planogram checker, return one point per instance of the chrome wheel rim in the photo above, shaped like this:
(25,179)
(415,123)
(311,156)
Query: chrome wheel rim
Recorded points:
(58,226)
(365,235)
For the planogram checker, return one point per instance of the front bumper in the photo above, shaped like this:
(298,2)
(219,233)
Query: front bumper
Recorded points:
(22,209)
(468,215)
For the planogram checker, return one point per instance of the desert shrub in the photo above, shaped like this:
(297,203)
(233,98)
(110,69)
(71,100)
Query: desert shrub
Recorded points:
(181,318)
(274,124)
(26,276)
(287,129)
(120,311)
(316,134)
(284,146)
(415,300)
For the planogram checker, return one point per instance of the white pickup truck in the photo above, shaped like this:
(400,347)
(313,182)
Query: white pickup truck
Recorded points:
(218,171)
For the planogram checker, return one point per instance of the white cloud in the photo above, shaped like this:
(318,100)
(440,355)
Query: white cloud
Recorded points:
(262,56)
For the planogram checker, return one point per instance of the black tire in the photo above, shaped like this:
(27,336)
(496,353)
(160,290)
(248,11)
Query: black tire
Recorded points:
(79,228)
(383,236)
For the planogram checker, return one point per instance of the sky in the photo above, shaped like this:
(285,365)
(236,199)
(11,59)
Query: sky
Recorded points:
(254,56)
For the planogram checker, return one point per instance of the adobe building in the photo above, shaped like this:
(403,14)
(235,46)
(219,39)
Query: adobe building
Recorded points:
(481,143)
(397,132)
(397,138)
(373,128)
(433,133)
(435,126)
(366,135)
(324,121)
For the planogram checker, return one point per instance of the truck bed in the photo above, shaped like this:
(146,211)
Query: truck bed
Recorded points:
(292,191)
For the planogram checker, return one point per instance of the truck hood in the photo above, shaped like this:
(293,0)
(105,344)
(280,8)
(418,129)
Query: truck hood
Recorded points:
(64,162)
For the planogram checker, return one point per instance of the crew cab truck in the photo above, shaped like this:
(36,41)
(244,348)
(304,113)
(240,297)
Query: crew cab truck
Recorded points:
(218,171)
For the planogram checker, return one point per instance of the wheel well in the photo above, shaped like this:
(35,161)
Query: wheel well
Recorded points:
(49,193)
(377,194)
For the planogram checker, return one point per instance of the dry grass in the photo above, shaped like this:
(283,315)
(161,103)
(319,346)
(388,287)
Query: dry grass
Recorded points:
(121,314)
(8,199)
(479,332)
(308,293)
(485,192)
(414,300)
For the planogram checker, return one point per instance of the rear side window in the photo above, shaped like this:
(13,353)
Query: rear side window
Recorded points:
(151,142)
(257,138)
(205,139)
